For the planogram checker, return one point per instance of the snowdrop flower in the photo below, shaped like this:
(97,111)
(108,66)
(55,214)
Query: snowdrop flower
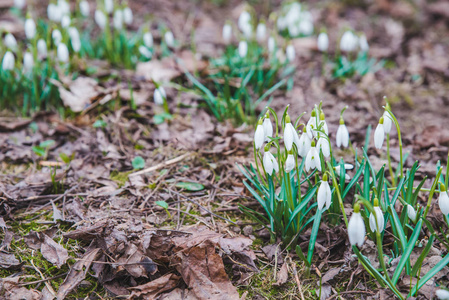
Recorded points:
(148,39)
(118,19)
(261,32)
(323,124)
(63,53)
(443,200)
(227,33)
(19,4)
(145,52)
(379,134)
(64,7)
(100,19)
(290,134)
(128,16)
(363,43)
(304,144)
(379,216)
(169,39)
(290,163)
(442,294)
(342,134)
(75,39)
(270,163)
(243,49)
(411,213)
(28,62)
(356,227)
(271,44)
(294,13)
(42,48)
(388,120)
(267,128)
(313,158)
(65,21)
(8,61)
(84,8)
(259,136)
(281,23)
(30,28)
(244,23)
(346,167)
(290,52)
(56,36)
(293,30)
(349,42)
(159,95)
(324,195)
(108,6)
(323,144)
(11,42)
(51,11)
(305,27)
(323,42)
(311,124)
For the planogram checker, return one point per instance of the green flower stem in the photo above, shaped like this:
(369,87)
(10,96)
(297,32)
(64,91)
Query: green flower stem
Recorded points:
(447,171)
(400,141)
(390,168)
(337,189)
(432,191)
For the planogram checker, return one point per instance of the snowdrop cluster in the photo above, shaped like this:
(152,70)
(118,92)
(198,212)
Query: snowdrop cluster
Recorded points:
(295,20)
(350,42)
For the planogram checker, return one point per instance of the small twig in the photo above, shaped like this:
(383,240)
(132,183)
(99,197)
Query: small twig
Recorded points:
(48,285)
(350,292)
(163,164)
(43,280)
(298,283)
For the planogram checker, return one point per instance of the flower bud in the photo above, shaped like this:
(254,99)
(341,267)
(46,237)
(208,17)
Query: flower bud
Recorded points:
(324,196)
(159,95)
(289,163)
(65,21)
(63,53)
(363,43)
(145,52)
(128,16)
(56,36)
(109,6)
(30,28)
(261,32)
(290,52)
(411,213)
(19,4)
(8,61)
(379,216)
(42,48)
(169,39)
(271,44)
(118,19)
(259,136)
(379,134)
(11,42)
(148,39)
(349,42)
(356,228)
(227,33)
(75,39)
(443,200)
(323,42)
(84,8)
(243,49)
(100,19)
(28,62)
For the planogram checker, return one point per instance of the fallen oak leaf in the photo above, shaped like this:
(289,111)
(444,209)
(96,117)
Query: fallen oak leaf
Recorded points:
(282,275)
(53,252)
(77,273)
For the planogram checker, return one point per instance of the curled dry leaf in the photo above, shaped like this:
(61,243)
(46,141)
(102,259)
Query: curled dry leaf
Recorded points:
(154,288)
(53,252)
(81,91)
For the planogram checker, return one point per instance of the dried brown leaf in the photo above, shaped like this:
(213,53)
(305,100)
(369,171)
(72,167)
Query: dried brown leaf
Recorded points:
(8,260)
(154,288)
(282,275)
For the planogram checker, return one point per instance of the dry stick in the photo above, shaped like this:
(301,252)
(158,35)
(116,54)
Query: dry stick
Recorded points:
(48,285)
(298,283)
(163,164)
(350,292)
(43,280)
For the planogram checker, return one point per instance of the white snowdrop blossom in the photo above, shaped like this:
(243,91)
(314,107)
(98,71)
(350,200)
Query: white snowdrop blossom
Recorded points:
(145,52)
(243,49)
(75,39)
(53,13)
(267,129)
(19,4)
(100,19)
(290,135)
(56,36)
(30,28)
(306,27)
(271,44)
(349,42)
(65,21)
(290,52)
(128,16)
(346,167)
(324,195)
(169,39)
(290,163)
(8,61)
(323,42)
(313,159)
(304,144)
(293,30)
(379,134)
(259,136)
(442,294)
(227,33)
(261,32)
(118,19)
(28,62)
(311,125)
(323,144)
(270,163)
(244,24)
(42,48)
(11,42)
(63,53)
(356,228)
(388,122)
(411,213)
(363,43)
(159,95)
(379,216)
(64,7)
(108,6)
(148,39)
(84,8)
(342,138)
(443,201)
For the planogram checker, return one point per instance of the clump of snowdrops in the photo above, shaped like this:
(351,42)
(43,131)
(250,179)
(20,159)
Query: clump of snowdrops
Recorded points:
(299,183)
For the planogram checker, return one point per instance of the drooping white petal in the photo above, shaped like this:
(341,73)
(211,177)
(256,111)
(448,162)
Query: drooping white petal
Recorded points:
(75,39)
(169,39)
(270,163)
(227,33)
(267,129)
(323,144)
(313,160)
(118,19)
(290,53)
(56,36)
(42,48)
(324,195)
(145,52)
(311,125)
(8,61)
(11,42)
(305,27)
(100,19)
(379,136)
(349,42)
(289,163)
(261,32)
(20,3)
(84,8)
(380,220)
(323,42)
(63,53)
(28,62)
(411,213)
(388,122)
(443,202)
(289,136)
(148,39)
(259,136)
(109,6)
(342,136)
(275,162)
(363,43)
(356,230)
(304,145)
(159,95)
(442,294)
(243,49)
(30,28)
(65,21)
(128,16)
